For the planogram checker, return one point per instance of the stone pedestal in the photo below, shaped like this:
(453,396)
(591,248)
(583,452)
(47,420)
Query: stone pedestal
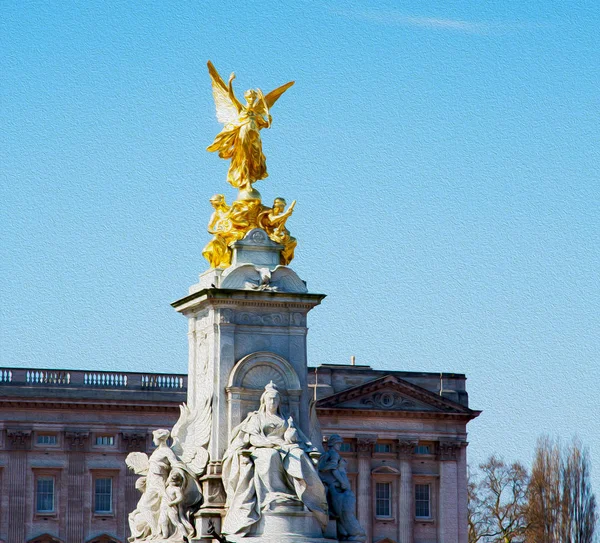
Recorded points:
(285,524)
(247,327)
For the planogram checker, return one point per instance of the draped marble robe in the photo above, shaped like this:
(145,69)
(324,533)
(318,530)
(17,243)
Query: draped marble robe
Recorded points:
(267,462)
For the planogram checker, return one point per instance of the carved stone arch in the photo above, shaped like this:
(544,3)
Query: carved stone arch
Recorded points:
(252,370)
(103,538)
(248,379)
(45,538)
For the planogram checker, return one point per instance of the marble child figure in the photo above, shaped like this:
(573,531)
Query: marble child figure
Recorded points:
(268,464)
(172,519)
(341,499)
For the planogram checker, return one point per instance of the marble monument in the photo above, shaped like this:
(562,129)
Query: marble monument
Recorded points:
(241,462)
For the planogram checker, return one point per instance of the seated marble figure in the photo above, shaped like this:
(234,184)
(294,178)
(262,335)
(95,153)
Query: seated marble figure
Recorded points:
(268,464)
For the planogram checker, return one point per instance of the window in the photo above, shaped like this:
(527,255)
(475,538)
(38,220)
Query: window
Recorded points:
(346,447)
(422,501)
(383,500)
(422,449)
(46,439)
(103,495)
(105,440)
(44,499)
(383,448)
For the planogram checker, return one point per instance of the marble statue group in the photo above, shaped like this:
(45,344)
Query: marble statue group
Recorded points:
(269,464)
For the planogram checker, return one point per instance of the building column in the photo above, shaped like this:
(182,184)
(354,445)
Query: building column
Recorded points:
(448,492)
(19,442)
(364,495)
(406,449)
(76,445)
(461,476)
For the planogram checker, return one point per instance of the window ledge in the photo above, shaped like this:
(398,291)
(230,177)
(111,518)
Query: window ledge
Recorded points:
(52,515)
(425,520)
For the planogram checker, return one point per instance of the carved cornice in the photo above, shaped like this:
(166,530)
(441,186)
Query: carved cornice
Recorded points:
(355,412)
(134,442)
(95,405)
(216,298)
(448,450)
(19,440)
(76,441)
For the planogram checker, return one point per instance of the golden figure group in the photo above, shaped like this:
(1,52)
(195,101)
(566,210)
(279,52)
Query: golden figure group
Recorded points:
(231,223)
(240,142)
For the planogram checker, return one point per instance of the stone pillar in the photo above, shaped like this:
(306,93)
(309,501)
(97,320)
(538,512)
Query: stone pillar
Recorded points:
(76,445)
(19,442)
(463,526)
(364,495)
(448,497)
(406,450)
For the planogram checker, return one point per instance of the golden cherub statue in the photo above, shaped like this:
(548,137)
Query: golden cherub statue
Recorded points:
(240,138)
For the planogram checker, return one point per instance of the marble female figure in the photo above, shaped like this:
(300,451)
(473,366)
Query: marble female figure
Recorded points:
(143,522)
(268,465)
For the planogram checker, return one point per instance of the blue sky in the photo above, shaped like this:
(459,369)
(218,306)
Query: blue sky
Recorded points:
(444,158)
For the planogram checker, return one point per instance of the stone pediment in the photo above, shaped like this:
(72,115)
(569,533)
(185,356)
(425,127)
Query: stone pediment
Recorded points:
(392,394)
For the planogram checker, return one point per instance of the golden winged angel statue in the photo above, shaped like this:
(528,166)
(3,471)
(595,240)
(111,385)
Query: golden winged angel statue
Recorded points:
(240,138)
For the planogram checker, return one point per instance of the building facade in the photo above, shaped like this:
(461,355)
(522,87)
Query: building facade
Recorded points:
(64,436)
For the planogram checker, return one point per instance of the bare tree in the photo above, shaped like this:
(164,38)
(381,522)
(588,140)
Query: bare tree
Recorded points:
(579,514)
(498,503)
(562,506)
(544,494)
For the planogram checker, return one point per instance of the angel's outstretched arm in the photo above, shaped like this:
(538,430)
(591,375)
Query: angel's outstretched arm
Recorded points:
(232,96)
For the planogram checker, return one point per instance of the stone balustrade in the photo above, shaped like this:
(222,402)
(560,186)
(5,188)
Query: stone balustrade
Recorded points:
(91,379)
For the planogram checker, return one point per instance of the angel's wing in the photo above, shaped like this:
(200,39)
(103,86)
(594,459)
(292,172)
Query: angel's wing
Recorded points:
(274,95)
(265,102)
(137,462)
(191,435)
(226,109)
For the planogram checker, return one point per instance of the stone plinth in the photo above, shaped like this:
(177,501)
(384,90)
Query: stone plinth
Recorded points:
(285,524)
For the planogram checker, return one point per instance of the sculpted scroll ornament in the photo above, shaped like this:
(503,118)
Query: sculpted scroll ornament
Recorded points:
(170,478)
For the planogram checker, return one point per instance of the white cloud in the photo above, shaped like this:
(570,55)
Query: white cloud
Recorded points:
(396,18)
